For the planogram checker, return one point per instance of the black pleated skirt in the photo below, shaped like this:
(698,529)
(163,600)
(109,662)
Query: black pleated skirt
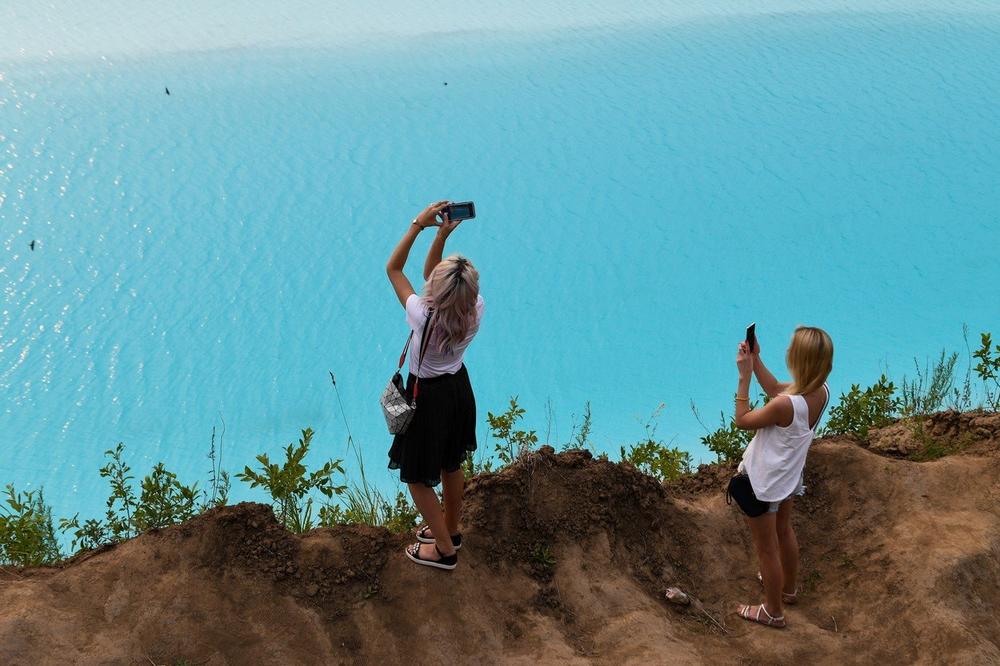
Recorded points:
(442,433)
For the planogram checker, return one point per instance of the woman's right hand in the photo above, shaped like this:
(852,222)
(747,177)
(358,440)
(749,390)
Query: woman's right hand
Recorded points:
(447,226)
(744,360)
(428,217)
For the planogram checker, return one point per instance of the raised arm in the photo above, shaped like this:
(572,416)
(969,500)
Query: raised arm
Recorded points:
(776,412)
(767,381)
(394,268)
(436,250)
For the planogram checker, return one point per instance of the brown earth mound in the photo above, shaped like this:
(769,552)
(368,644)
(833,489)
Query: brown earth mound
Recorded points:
(565,560)
(941,432)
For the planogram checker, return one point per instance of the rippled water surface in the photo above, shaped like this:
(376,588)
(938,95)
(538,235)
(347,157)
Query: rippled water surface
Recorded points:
(645,188)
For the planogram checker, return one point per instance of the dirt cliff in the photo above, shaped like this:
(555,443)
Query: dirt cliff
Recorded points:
(566,559)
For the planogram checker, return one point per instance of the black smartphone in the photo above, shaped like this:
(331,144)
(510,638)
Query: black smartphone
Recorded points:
(463,210)
(751,337)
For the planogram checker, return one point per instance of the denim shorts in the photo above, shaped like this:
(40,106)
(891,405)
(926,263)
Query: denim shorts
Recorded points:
(798,492)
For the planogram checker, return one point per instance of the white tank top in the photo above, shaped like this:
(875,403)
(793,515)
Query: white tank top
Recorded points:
(776,455)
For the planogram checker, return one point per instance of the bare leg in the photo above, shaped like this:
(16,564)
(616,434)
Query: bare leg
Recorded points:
(454,488)
(765,542)
(788,547)
(426,501)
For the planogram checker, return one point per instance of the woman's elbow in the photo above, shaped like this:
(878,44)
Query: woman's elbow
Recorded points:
(743,423)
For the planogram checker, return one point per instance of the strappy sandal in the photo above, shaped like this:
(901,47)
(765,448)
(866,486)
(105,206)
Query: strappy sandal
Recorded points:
(786,598)
(775,622)
(447,562)
(456,539)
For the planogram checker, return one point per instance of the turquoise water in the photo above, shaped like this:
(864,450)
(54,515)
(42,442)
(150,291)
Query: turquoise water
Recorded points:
(645,190)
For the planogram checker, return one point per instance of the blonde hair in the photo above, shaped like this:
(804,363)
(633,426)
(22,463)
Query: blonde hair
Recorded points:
(452,291)
(809,358)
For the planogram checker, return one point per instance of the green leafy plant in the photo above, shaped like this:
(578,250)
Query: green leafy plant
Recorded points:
(27,535)
(290,484)
(92,533)
(859,411)
(654,457)
(512,444)
(727,441)
(988,369)
(121,506)
(162,501)
(121,502)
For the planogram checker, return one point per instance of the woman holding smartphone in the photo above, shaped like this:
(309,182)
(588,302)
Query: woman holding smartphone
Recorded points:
(443,430)
(771,472)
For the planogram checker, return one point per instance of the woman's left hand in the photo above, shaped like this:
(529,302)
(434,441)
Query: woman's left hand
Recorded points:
(744,360)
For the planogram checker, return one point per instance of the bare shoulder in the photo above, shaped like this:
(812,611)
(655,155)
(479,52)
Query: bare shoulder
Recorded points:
(816,398)
(782,402)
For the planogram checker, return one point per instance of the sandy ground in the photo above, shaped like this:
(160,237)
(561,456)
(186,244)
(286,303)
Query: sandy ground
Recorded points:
(900,564)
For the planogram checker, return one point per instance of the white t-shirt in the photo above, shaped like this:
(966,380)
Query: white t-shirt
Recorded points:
(435,363)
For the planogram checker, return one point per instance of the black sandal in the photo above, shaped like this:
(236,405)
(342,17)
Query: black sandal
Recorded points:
(456,539)
(447,562)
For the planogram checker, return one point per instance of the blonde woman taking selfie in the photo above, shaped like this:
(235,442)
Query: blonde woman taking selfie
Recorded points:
(443,320)
(771,472)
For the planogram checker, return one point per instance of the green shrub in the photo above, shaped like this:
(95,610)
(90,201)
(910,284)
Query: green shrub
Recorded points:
(654,457)
(512,444)
(163,501)
(988,369)
(727,441)
(27,536)
(120,507)
(859,411)
(290,484)
(931,388)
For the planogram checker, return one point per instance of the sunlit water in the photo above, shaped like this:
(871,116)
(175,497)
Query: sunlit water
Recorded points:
(647,183)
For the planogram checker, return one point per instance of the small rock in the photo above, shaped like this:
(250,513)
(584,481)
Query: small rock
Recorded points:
(311,590)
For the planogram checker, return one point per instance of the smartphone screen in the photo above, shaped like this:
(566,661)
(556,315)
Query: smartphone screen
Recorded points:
(465,210)
(751,337)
